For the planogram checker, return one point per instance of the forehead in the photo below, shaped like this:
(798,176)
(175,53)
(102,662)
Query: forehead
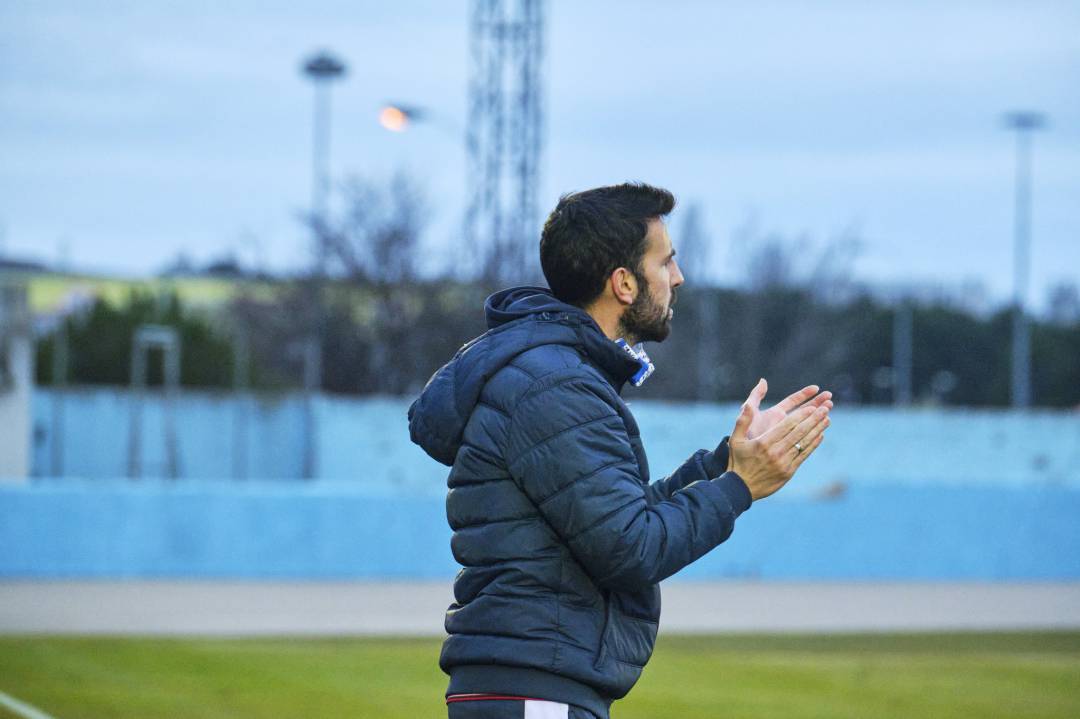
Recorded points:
(657,238)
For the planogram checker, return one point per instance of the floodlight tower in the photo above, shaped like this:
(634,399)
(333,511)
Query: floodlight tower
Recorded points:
(322,69)
(1024,123)
(503,136)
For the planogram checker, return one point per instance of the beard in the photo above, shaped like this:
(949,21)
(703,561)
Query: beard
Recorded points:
(646,320)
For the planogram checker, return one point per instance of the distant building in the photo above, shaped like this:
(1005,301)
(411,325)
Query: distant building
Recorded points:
(16,378)
(51,294)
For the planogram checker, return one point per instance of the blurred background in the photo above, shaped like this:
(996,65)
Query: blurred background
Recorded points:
(236,239)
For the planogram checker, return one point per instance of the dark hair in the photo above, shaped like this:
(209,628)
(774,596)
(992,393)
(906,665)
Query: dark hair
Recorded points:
(591,233)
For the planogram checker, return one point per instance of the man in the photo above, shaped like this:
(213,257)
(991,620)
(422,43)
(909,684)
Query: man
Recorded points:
(561,537)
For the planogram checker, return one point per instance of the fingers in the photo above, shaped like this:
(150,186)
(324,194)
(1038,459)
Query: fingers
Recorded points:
(804,427)
(806,395)
(757,394)
(794,400)
(807,451)
(807,440)
(742,422)
(781,430)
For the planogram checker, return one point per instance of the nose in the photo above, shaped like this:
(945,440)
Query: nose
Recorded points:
(677,278)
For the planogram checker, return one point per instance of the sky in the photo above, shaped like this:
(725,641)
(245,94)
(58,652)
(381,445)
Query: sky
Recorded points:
(133,131)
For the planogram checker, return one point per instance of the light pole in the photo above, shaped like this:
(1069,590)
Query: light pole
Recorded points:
(322,69)
(903,344)
(1024,123)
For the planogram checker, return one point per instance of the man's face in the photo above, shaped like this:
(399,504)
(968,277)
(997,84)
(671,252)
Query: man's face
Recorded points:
(648,318)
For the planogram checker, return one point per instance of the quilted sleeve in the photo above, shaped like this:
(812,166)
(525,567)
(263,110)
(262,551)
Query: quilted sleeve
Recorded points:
(702,464)
(569,451)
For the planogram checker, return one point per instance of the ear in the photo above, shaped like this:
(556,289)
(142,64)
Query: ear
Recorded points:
(623,285)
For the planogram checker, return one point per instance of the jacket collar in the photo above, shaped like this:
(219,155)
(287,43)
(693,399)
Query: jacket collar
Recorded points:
(539,304)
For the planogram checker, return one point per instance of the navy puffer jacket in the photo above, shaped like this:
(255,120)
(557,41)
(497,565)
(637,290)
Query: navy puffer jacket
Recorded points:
(561,537)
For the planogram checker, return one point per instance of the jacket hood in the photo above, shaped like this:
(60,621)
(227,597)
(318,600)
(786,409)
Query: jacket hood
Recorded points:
(518,319)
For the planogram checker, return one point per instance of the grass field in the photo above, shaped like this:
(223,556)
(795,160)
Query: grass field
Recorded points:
(925,675)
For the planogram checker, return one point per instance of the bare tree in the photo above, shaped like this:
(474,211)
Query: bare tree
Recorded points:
(694,253)
(1063,303)
(790,281)
(377,238)
(374,246)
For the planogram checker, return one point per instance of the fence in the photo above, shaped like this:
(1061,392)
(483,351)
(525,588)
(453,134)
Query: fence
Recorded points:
(227,436)
(915,494)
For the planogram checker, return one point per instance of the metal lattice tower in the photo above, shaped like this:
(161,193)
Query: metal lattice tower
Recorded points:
(503,138)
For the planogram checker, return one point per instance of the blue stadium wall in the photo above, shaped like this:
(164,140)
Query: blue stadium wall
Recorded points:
(334,530)
(898,495)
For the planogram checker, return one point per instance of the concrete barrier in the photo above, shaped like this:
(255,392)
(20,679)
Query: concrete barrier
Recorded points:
(337,530)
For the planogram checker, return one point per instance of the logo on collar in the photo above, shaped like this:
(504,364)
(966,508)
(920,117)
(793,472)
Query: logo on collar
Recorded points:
(638,353)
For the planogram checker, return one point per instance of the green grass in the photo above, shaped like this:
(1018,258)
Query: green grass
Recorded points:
(925,675)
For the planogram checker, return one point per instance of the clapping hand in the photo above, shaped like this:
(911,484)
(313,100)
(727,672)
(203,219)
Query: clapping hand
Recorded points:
(766,447)
(761,421)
